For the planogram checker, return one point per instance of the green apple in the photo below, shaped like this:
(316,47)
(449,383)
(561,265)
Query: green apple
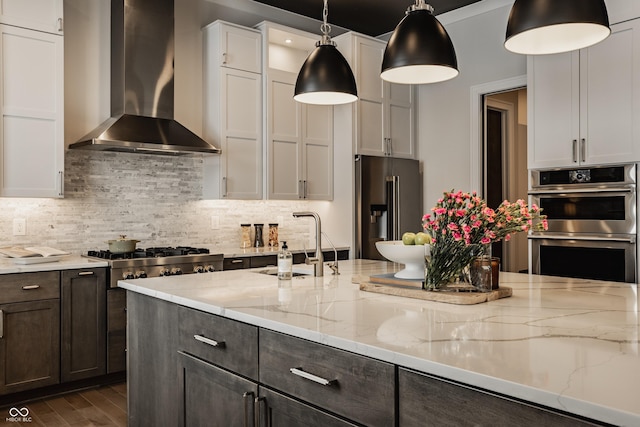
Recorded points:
(409,238)
(422,238)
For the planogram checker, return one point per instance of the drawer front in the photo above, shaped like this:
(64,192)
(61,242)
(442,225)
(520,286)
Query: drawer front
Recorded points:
(264,261)
(223,342)
(21,287)
(360,388)
(236,263)
(428,401)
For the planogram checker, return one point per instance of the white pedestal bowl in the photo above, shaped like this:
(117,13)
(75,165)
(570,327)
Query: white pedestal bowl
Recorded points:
(412,256)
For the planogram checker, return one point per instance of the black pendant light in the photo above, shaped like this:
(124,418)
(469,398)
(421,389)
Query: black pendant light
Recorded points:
(537,27)
(419,50)
(325,77)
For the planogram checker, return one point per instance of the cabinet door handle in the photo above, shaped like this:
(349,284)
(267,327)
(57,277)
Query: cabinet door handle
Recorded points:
(1,324)
(224,186)
(86,273)
(236,261)
(30,287)
(575,151)
(316,379)
(209,341)
(60,27)
(61,190)
(248,398)
(304,189)
(224,58)
(258,404)
(583,143)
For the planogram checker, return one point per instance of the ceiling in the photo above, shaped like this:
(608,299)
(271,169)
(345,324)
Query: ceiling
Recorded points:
(371,17)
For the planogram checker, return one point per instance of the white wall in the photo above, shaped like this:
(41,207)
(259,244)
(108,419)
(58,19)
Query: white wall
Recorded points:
(444,116)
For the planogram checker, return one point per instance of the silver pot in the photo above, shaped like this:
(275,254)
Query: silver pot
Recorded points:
(122,245)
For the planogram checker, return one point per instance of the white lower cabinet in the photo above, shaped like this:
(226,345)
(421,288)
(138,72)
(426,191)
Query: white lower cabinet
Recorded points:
(299,143)
(32,113)
(583,106)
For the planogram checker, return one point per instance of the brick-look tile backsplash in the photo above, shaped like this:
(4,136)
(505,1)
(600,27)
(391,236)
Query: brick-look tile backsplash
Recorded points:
(151,198)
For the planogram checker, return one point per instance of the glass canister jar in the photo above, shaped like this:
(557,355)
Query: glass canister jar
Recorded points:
(273,235)
(245,235)
(258,242)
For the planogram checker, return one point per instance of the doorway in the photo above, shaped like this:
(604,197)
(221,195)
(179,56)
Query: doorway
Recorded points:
(504,165)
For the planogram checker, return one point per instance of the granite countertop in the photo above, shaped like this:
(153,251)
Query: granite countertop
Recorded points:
(569,344)
(69,262)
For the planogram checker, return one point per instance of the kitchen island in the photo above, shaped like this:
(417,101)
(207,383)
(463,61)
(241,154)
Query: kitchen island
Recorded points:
(569,345)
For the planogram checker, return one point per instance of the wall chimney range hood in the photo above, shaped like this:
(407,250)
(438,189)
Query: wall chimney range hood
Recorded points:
(142,53)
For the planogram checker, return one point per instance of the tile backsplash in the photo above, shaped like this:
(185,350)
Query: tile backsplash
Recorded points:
(151,198)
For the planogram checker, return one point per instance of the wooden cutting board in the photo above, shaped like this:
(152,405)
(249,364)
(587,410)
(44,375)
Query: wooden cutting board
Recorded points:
(389,285)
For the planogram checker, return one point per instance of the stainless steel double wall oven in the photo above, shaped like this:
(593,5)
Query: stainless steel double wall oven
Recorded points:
(592,222)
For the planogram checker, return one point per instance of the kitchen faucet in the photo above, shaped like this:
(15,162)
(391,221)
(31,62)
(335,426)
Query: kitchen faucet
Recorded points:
(318,260)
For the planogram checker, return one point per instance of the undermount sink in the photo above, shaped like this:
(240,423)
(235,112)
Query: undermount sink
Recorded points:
(295,273)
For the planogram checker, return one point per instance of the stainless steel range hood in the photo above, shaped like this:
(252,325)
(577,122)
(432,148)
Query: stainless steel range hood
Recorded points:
(142,52)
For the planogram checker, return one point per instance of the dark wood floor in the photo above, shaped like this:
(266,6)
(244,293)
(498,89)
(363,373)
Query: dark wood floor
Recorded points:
(104,406)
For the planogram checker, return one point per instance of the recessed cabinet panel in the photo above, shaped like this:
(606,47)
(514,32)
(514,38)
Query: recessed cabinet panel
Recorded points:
(285,118)
(31,89)
(43,15)
(242,86)
(319,161)
(400,125)
(369,61)
(241,158)
(610,90)
(241,49)
(553,94)
(370,127)
(285,178)
(27,88)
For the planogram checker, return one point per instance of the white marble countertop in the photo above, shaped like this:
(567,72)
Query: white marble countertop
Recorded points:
(69,262)
(564,343)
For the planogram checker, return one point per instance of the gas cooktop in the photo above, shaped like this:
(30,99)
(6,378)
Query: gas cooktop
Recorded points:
(155,252)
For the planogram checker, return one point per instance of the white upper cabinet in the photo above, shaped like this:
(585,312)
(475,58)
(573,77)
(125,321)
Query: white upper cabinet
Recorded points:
(232,113)
(31,113)
(41,15)
(383,116)
(583,106)
(299,158)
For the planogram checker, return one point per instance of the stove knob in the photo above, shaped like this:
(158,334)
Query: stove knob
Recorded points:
(210,268)
(176,271)
(127,275)
(141,274)
(198,269)
(165,272)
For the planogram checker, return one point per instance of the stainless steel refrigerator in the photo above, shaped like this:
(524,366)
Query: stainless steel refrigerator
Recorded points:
(388,201)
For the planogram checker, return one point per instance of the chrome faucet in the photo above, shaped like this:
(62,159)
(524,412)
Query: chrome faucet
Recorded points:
(318,260)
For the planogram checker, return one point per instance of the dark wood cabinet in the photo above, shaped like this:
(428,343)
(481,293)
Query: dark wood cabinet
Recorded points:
(271,260)
(29,331)
(276,409)
(116,330)
(425,400)
(355,387)
(213,396)
(152,372)
(84,331)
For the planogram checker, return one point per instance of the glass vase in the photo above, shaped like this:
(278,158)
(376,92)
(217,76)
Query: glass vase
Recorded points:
(480,269)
